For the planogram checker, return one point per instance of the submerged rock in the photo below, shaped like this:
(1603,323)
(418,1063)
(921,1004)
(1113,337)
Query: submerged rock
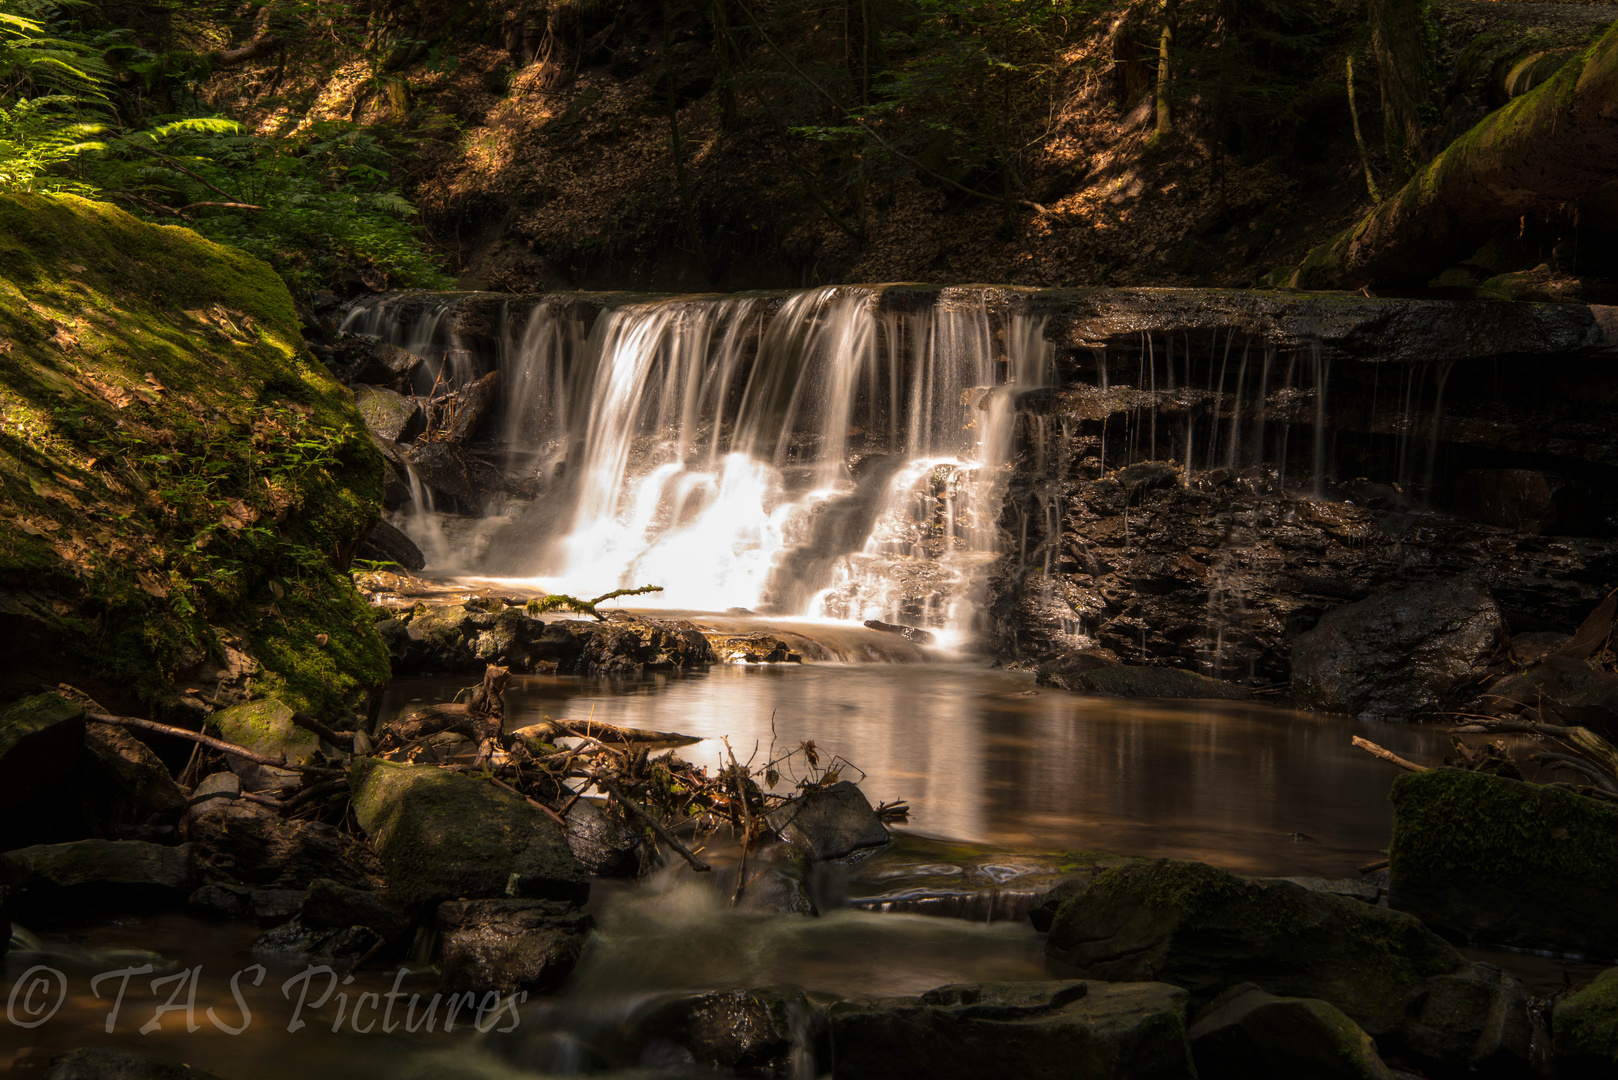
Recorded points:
(231,901)
(110,1063)
(830,823)
(340,947)
(1586,1029)
(1091,674)
(445,836)
(509,945)
(922,877)
(1250,1035)
(1505,862)
(1097,1030)
(1400,653)
(1207,931)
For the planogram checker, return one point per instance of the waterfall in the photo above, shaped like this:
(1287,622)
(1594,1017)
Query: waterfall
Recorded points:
(825,454)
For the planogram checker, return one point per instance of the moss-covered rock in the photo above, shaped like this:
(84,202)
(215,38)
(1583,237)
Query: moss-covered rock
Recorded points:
(41,743)
(1094,1030)
(446,836)
(1586,1029)
(1505,862)
(173,461)
(1198,927)
(1251,1035)
(266,726)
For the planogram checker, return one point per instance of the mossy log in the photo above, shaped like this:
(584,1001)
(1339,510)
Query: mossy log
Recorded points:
(1555,144)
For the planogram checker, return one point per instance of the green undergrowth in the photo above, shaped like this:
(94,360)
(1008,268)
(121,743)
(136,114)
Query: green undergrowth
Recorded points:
(173,461)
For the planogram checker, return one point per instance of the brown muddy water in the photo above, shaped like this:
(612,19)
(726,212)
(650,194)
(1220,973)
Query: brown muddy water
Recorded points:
(983,757)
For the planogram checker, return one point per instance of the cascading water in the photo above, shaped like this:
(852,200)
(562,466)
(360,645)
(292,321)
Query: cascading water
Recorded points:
(819,455)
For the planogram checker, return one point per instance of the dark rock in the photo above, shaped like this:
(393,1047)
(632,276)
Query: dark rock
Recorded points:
(377,362)
(1206,930)
(919,877)
(1532,648)
(1096,1030)
(752,1032)
(1087,673)
(341,948)
(626,644)
(140,776)
(1251,1035)
(602,844)
(909,633)
(1530,501)
(41,744)
(1398,654)
(1562,690)
(48,878)
(332,905)
(387,544)
(392,417)
(211,792)
(263,906)
(778,881)
(758,648)
(445,836)
(244,842)
(265,726)
(109,1063)
(458,638)
(461,479)
(1145,475)
(1504,862)
(830,823)
(509,945)
(1586,1030)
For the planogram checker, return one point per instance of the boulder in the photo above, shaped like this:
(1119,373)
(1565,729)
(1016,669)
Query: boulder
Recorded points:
(1088,673)
(1248,1034)
(142,780)
(391,416)
(603,844)
(265,726)
(1505,862)
(1400,653)
(228,900)
(387,544)
(509,945)
(48,878)
(830,823)
(447,836)
(460,478)
(627,644)
(239,841)
(1585,1026)
(331,905)
(41,744)
(753,1032)
(1561,689)
(1096,1030)
(777,881)
(1207,931)
(109,1063)
(340,947)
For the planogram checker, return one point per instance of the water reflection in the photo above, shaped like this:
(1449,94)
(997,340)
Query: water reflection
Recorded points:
(984,756)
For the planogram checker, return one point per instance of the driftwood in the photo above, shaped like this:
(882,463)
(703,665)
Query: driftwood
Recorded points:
(650,819)
(550,730)
(1387,755)
(481,719)
(909,633)
(213,744)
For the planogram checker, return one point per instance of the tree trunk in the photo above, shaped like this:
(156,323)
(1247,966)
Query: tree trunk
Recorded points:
(1553,145)
(1401,60)
(1165,122)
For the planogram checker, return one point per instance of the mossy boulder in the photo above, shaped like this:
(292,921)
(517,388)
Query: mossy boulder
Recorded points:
(1090,674)
(175,464)
(1251,1035)
(1505,862)
(1096,1030)
(1206,930)
(266,726)
(446,836)
(41,743)
(390,416)
(1586,1030)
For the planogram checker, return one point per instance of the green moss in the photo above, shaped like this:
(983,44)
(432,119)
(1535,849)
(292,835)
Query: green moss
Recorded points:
(1586,1025)
(168,447)
(266,726)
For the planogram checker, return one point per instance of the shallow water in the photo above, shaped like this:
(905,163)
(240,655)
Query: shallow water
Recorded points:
(987,757)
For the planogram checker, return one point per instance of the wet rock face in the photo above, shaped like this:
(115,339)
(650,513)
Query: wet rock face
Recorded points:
(444,836)
(509,945)
(387,544)
(751,1032)
(1505,862)
(1208,931)
(1096,1030)
(1399,654)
